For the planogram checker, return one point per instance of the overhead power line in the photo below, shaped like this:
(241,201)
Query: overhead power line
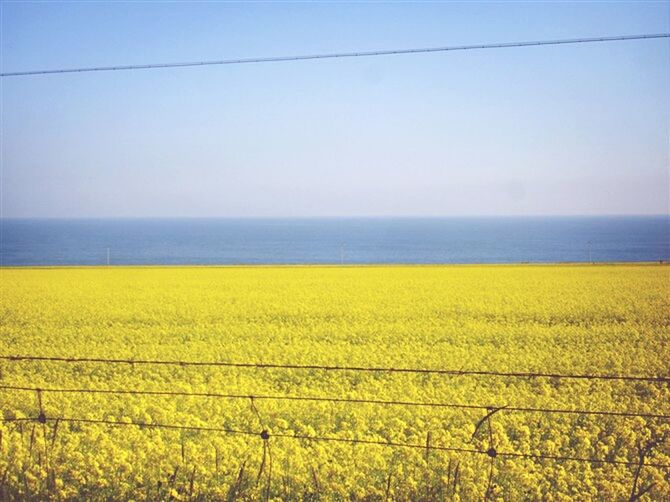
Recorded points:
(284,435)
(346,400)
(388,52)
(429,371)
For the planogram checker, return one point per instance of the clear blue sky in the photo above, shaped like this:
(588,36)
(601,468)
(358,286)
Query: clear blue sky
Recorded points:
(532,131)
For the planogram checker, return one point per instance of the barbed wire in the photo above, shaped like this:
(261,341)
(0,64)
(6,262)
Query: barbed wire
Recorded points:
(265,434)
(378,369)
(331,399)
(385,52)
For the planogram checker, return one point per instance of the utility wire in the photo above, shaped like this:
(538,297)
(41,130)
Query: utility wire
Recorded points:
(381,402)
(424,371)
(276,59)
(265,434)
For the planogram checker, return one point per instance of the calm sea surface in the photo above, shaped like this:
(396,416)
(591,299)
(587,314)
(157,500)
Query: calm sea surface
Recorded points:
(355,240)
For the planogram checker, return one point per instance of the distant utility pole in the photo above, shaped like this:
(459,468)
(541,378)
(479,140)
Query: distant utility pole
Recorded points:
(108,257)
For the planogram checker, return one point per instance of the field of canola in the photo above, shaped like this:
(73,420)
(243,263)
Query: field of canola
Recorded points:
(568,319)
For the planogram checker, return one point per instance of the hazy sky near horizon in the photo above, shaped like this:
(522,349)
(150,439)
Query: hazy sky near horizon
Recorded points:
(565,130)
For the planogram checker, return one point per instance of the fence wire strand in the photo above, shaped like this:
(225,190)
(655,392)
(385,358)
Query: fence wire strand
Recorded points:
(339,55)
(330,399)
(371,369)
(393,444)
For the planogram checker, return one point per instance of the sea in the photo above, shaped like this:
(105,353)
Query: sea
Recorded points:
(226,241)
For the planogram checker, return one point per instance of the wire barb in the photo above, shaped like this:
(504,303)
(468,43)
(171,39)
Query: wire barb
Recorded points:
(41,417)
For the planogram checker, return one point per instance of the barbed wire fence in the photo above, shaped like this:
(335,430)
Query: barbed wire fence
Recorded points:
(263,432)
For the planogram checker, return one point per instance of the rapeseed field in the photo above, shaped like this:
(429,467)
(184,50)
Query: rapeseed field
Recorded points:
(565,319)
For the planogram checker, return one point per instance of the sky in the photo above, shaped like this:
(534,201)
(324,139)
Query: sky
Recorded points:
(562,130)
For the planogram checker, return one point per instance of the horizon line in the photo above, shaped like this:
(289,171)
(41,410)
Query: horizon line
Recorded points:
(338,217)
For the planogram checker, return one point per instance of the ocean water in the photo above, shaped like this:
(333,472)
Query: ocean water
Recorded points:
(334,240)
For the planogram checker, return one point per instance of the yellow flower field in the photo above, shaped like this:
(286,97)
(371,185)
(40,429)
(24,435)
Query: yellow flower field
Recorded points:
(565,319)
